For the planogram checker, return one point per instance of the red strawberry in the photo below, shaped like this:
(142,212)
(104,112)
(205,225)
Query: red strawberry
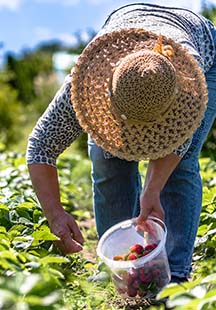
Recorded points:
(145,253)
(132,292)
(142,271)
(130,279)
(132,256)
(140,293)
(156,272)
(150,247)
(136,283)
(136,248)
(145,278)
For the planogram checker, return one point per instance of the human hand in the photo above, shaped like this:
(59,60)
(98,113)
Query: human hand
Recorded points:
(150,206)
(65,227)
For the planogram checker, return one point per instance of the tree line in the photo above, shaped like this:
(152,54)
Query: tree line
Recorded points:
(28,83)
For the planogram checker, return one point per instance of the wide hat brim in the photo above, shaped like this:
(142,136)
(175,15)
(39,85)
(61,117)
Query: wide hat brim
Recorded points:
(91,101)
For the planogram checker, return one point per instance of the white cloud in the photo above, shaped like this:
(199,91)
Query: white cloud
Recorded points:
(72,39)
(67,38)
(10,4)
(85,36)
(46,34)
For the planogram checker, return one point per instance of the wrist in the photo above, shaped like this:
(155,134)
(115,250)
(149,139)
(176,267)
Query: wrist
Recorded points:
(152,188)
(53,213)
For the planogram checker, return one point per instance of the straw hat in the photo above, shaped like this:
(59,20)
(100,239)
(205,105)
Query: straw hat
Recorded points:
(138,94)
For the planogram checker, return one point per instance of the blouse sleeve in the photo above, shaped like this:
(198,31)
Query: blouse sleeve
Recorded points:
(55,130)
(183,148)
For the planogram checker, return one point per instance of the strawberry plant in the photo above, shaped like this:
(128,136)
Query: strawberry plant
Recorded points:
(34,275)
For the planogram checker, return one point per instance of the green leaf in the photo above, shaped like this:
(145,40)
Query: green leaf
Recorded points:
(175,289)
(211,293)
(7,265)
(202,230)
(18,228)
(21,243)
(199,291)
(4,217)
(51,298)
(20,162)
(180,300)
(44,235)
(32,265)
(210,208)
(82,214)
(210,279)
(25,221)
(211,232)
(37,215)
(170,290)
(3,229)
(3,207)
(6,295)
(208,195)
(8,255)
(53,260)
(56,273)
(4,236)
(22,257)
(14,216)
(46,301)
(197,304)
(4,245)
(25,205)
(29,282)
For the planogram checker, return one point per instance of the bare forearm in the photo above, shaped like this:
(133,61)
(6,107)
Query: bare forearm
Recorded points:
(45,182)
(157,175)
(159,171)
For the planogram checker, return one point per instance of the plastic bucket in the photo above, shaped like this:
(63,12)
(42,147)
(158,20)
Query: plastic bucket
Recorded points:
(144,276)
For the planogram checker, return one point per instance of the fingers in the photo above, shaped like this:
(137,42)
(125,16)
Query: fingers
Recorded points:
(144,213)
(66,228)
(142,219)
(150,206)
(66,244)
(77,235)
(146,227)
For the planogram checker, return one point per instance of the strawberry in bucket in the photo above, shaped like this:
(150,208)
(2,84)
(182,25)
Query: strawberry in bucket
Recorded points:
(136,251)
(138,265)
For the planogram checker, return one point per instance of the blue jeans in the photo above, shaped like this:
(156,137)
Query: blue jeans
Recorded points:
(117,186)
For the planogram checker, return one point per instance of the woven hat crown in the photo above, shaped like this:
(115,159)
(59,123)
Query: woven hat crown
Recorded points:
(143,86)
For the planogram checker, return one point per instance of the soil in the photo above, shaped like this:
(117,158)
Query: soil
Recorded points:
(89,252)
(136,304)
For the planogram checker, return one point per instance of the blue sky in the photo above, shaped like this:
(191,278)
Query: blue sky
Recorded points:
(25,23)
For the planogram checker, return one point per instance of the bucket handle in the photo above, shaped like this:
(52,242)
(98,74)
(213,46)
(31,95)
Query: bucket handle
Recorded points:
(156,219)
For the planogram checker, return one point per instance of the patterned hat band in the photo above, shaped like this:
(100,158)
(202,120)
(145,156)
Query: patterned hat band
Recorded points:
(143,87)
